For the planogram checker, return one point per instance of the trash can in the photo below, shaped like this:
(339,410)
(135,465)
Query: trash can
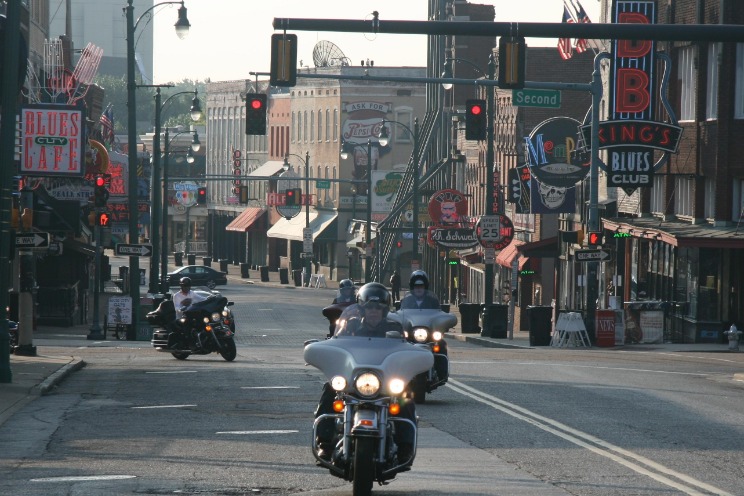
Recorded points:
(469,317)
(123,272)
(445,307)
(244,271)
(539,322)
(284,276)
(191,258)
(143,277)
(297,276)
(499,319)
(264,269)
(223,265)
(178,256)
(207,261)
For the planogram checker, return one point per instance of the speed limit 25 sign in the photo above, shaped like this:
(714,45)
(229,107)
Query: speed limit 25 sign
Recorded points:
(495,231)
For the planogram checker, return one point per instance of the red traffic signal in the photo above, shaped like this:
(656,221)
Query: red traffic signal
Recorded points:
(293,197)
(475,120)
(255,114)
(100,182)
(595,239)
(399,244)
(103,219)
(201,196)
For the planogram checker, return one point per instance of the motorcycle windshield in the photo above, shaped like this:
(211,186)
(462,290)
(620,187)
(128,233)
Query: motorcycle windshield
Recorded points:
(427,314)
(347,356)
(210,305)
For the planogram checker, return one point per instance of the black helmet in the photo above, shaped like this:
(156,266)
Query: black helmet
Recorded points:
(418,277)
(185,281)
(374,293)
(345,283)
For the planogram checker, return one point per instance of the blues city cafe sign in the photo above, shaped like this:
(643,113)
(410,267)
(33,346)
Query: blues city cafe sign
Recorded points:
(631,135)
(552,153)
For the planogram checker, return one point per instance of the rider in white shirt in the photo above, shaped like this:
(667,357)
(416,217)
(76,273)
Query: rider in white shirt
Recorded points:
(185,297)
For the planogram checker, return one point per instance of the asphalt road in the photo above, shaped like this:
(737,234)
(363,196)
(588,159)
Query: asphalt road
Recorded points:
(513,422)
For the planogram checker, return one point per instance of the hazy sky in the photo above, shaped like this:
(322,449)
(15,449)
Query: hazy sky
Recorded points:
(230,38)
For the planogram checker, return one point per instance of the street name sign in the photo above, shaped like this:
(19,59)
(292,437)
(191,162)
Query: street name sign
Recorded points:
(323,184)
(591,256)
(134,250)
(536,98)
(32,240)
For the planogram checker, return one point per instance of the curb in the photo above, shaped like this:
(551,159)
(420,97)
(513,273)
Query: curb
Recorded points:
(57,377)
(487,343)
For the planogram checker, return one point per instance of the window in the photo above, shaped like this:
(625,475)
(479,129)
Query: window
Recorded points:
(686,76)
(739,96)
(335,124)
(657,195)
(312,125)
(710,198)
(299,127)
(404,116)
(711,99)
(683,200)
(304,128)
(328,125)
(293,128)
(320,125)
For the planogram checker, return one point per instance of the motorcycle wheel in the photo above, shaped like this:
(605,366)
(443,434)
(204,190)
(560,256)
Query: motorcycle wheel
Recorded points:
(228,350)
(363,466)
(181,355)
(419,389)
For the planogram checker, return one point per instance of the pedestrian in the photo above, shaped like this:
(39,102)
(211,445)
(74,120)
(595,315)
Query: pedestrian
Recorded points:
(395,285)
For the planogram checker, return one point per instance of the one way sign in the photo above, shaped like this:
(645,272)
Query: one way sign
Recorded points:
(591,256)
(134,250)
(32,240)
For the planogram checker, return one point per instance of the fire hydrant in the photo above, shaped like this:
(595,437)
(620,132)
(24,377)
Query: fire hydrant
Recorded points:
(733,336)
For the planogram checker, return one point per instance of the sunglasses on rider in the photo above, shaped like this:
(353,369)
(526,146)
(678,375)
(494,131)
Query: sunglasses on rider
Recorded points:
(373,305)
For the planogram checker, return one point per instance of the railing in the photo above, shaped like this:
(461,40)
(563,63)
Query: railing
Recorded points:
(195,247)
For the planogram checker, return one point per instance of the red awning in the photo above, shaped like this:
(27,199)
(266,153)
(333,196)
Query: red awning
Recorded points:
(245,220)
(506,256)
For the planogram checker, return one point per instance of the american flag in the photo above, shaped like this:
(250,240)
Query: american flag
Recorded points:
(580,45)
(107,128)
(564,44)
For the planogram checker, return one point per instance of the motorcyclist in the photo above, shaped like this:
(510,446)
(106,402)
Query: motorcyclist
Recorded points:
(346,292)
(419,297)
(184,298)
(373,300)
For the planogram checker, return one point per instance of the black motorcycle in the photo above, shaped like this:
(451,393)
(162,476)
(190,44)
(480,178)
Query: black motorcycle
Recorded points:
(200,331)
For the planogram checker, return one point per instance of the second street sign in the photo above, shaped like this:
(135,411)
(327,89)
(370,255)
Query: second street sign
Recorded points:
(536,98)
(592,256)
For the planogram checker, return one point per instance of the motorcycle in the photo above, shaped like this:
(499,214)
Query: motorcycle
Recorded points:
(200,331)
(369,376)
(427,326)
(333,311)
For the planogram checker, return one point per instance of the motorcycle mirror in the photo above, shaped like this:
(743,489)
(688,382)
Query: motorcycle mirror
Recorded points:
(230,303)
(393,335)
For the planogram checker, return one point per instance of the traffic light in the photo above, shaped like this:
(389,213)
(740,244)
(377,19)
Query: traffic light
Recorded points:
(201,196)
(511,62)
(283,64)
(595,239)
(100,193)
(293,197)
(244,195)
(399,244)
(475,119)
(255,114)
(103,219)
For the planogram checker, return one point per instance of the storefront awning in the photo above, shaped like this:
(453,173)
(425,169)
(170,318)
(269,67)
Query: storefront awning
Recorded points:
(542,248)
(245,220)
(682,234)
(353,242)
(292,229)
(507,255)
(268,168)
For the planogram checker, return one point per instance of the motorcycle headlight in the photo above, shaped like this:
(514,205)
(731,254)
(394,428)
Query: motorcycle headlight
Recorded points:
(225,313)
(183,320)
(368,384)
(206,320)
(338,383)
(216,316)
(397,386)
(436,336)
(420,334)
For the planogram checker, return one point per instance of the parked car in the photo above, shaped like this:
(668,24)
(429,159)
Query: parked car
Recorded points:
(200,276)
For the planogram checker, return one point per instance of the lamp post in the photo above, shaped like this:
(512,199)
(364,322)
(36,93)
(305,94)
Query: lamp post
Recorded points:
(195,146)
(384,140)
(155,200)
(182,28)
(306,202)
(490,188)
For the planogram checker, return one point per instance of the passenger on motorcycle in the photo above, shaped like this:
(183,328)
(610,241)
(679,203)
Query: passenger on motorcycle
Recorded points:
(346,292)
(184,298)
(373,304)
(419,297)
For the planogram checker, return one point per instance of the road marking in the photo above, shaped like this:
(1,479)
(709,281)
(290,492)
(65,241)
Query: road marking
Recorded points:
(598,446)
(269,387)
(572,365)
(161,406)
(173,372)
(247,433)
(83,478)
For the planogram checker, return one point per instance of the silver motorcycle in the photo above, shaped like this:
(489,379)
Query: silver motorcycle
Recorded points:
(370,377)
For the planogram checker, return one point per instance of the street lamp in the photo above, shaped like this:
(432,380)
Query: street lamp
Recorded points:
(384,140)
(306,202)
(182,28)
(490,188)
(195,146)
(155,200)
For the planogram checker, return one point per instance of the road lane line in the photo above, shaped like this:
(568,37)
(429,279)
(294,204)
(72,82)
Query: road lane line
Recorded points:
(84,478)
(173,372)
(161,406)
(269,387)
(248,433)
(602,448)
(571,365)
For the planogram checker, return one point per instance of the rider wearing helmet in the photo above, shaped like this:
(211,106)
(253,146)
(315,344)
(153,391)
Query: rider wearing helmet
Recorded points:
(185,297)
(346,292)
(419,297)
(374,304)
